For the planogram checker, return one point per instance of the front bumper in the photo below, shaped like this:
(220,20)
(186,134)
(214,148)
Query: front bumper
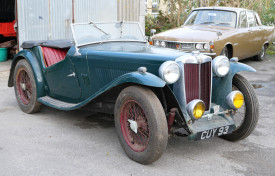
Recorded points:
(208,54)
(210,123)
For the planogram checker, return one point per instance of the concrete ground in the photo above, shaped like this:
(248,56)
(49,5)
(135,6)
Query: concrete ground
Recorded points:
(54,142)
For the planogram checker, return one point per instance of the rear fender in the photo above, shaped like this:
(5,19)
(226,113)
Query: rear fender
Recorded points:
(221,87)
(31,58)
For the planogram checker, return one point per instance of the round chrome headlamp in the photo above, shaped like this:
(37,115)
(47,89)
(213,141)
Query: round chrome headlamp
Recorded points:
(235,99)
(162,44)
(206,46)
(220,66)
(156,43)
(199,46)
(196,109)
(169,71)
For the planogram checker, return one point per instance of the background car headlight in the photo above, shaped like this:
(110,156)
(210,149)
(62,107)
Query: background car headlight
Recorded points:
(221,66)
(199,46)
(163,44)
(156,43)
(169,71)
(196,109)
(206,46)
(235,99)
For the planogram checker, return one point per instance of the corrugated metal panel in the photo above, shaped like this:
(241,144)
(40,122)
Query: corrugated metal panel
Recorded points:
(60,19)
(44,19)
(95,10)
(131,10)
(51,19)
(33,20)
(128,10)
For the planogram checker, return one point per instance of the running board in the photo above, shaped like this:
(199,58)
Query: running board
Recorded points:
(51,102)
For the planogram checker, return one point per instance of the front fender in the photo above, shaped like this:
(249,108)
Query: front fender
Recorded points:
(29,56)
(221,87)
(146,79)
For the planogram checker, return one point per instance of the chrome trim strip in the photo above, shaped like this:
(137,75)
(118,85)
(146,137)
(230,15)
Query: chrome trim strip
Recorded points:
(194,59)
(180,41)
(200,82)
(209,54)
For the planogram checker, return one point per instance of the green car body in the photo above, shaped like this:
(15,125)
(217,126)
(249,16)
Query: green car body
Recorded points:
(101,68)
(93,76)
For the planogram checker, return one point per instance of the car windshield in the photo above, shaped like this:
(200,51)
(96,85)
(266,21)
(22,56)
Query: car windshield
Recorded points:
(212,17)
(89,33)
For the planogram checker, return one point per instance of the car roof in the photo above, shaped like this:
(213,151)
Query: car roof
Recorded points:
(234,9)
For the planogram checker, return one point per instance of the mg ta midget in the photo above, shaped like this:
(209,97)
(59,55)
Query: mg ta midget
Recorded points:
(152,91)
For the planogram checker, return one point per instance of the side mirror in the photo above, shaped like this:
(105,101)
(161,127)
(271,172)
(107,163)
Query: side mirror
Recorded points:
(153,31)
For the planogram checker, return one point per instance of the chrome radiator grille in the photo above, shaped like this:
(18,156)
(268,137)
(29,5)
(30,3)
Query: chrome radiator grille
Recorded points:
(197,81)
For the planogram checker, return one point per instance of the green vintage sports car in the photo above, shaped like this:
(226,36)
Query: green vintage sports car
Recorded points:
(152,91)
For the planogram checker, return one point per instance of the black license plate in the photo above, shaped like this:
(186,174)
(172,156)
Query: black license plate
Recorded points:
(214,132)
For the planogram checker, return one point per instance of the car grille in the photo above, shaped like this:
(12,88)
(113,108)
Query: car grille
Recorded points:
(197,81)
(182,46)
(172,45)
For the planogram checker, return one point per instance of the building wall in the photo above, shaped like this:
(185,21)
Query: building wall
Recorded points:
(131,10)
(51,19)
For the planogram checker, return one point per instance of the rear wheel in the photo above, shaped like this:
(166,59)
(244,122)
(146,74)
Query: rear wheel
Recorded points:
(246,118)
(141,124)
(25,87)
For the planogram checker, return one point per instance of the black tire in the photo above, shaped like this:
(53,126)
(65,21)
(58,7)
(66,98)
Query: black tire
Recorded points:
(25,90)
(144,100)
(261,55)
(225,52)
(251,110)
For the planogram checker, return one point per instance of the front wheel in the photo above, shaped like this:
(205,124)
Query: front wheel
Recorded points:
(141,124)
(246,118)
(225,52)
(261,56)
(25,87)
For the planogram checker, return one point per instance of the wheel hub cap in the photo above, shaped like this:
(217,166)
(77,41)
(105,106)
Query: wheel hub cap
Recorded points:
(23,86)
(133,125)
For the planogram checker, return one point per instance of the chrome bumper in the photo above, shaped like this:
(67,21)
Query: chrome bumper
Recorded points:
(208,54)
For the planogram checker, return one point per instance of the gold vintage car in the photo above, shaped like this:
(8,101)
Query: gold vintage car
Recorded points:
(234,32)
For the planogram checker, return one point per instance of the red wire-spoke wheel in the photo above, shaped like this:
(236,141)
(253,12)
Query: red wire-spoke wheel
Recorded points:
(141,124)
(133,118)
(25,87)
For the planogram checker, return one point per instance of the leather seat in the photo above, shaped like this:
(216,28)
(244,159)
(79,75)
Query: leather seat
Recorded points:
(53,55)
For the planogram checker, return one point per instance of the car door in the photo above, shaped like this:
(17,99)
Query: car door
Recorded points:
(261,33)
(62,81)
(242,37)
(255,35)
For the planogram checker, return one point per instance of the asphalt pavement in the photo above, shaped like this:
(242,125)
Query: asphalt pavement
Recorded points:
(54,142)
